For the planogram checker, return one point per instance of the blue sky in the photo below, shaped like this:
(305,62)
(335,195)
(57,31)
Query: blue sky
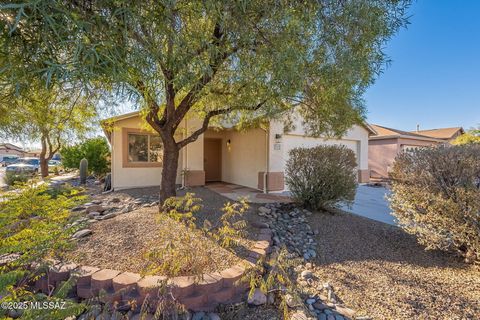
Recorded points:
(434,75)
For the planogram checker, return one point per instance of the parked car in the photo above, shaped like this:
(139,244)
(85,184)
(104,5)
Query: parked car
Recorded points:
(25,165)
(55,166)
(6,160)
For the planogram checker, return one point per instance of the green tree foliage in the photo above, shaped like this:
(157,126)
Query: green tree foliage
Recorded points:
(322,176)
(50,116)
(471,136)
(95,150)
(436,196)
(34,227)
(212,59)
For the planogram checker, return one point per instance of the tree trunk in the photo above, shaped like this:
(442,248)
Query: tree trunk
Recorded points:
(169,172)
(43,166)
(43,158)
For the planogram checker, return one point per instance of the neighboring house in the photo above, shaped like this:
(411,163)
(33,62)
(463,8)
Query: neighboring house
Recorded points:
(446,134)
(8,149)
(388,143)
(254,158)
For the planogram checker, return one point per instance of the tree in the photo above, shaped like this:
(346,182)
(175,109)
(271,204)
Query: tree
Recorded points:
(51,115)
(471,136)
(211,59)
(95,150)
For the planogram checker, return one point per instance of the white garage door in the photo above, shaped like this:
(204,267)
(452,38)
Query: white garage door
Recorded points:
(291,141)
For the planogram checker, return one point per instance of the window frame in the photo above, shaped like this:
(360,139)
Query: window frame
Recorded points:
(137,164)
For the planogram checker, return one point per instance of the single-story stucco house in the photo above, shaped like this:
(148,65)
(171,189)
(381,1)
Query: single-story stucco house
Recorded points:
(387,143)
(253,158)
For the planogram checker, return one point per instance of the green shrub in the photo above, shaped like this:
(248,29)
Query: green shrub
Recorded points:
(436,196)
(12,178)
(35,226)
(95,150)
(322,176)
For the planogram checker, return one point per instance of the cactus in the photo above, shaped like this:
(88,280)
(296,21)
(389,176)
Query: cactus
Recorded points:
(83,171)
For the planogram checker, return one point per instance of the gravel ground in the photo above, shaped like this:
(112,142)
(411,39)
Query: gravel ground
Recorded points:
(122,242)
(382,272)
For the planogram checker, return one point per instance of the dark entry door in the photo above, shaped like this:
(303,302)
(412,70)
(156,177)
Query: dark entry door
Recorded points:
(213,159)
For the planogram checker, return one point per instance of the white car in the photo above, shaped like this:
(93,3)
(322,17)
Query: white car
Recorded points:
(25,165)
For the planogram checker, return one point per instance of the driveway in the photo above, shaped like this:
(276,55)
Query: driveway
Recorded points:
(370,202)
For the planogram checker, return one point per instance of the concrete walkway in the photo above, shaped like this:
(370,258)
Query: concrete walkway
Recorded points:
(370,202)
(235,192)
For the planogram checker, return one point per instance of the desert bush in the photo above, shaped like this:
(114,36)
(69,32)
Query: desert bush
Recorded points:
(189,252)
(12,178)
(436,196)
(35,226)
(322,176)
(95,150)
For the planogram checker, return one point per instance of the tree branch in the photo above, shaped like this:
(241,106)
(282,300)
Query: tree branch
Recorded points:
(194,136)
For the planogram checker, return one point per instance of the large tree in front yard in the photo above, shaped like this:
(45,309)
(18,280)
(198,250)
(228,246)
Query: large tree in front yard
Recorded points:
(212,59)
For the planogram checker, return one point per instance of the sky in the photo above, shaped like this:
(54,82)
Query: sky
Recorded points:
(434,76)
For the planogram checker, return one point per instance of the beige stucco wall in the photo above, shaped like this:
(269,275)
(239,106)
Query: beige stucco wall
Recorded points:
(245,157)
(150,176)
(355,139)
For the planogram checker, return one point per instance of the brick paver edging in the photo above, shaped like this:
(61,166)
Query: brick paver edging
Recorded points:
(201,295)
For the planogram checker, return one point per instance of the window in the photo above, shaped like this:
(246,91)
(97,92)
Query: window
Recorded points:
(144,148)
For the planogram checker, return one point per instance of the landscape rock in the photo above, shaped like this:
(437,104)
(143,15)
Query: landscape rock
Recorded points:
(299,315)
(199,316)
(347,312)
(109,216)
(306,274)
(258,298)
(214,316)
(264,210)
(82,233)
(95,208)
(93,214)
(292,301)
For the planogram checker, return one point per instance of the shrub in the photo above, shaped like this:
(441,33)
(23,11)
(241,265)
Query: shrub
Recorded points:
(436,196)
(35,226)
(12,178)
(95,150)
(322,176)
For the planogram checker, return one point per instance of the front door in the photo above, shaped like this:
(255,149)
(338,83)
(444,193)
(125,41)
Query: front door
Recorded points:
(212,161)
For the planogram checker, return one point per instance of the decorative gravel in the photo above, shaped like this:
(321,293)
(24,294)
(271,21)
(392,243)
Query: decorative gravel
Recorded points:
(122,242)
(382,272)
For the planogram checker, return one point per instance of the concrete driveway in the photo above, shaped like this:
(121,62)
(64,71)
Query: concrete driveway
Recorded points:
(370,202)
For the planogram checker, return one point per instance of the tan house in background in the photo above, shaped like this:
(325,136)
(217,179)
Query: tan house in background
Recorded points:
(388,143)
(253,158)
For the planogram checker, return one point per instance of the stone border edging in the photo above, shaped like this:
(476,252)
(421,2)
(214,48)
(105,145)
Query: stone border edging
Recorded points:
(203,295)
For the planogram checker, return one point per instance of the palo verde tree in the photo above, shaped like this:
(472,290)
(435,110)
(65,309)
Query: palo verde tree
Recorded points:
(233,59)
(50,116)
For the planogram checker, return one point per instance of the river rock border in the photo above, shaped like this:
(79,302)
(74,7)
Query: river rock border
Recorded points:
(118,287)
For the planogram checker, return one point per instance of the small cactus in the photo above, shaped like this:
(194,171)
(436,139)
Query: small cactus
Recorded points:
(83,171)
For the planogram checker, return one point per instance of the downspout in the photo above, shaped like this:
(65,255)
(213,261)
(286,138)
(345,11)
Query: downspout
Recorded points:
(267,157)
(185,158)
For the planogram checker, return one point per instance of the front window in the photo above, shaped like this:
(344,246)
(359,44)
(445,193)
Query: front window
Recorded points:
(144,148)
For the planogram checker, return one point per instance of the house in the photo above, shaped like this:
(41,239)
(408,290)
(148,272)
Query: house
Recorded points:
(446,134)
(8,149)
(253,158)
(384,146)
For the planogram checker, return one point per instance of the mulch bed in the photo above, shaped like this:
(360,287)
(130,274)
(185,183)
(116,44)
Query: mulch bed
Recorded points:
(381,271)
